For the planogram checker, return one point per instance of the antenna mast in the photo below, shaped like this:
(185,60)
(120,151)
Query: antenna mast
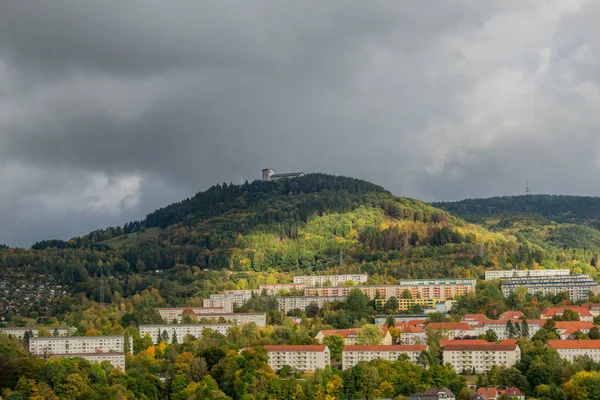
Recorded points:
(527,187)
(341,258)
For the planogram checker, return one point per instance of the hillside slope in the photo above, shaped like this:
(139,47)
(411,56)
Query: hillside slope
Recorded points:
(238,236)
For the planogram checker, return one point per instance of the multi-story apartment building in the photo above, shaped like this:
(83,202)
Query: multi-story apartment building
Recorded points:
(453,329)
(351,355)
(299,358)
(411,334)
(176,313)
(274,289)
(228,300)
(78,345)
(520,273)
(594,309)
(438,289)
(584,313)
(116,359)
(333,280)
(289,303)
(405,318)
(19,333)
(500,327)
(260,319)
(569,349)
(577,286)
(351,335)
(405,304)
(180,331)
(481,357)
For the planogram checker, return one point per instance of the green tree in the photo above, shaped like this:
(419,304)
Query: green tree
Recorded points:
(491,336)
(510,330)
(357,301)
(335,343)
(570,315)
(594,333)
(524,329)
(391,306)
(369,334)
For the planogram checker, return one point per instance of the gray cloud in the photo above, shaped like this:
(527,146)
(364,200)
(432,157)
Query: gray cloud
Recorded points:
(110,109)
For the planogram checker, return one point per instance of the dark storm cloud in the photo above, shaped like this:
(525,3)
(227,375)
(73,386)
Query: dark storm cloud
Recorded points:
(109,109)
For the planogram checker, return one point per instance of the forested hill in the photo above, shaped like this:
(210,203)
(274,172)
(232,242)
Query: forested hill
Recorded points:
(558,208)
(238,236)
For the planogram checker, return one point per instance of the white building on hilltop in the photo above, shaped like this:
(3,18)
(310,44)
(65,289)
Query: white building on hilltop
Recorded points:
(269,174)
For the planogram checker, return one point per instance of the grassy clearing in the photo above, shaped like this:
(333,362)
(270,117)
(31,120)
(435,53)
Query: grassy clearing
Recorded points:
(133,239)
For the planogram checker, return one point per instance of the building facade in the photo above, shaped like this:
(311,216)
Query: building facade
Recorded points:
(440,289)
(500,327)
(521,273)
(176,313)
(289,303)
(584,313)
(156,332)
(19,333)
(116,359)
(274,289)
(577,286)
(299,358)
(352,355)
(78,345)
(569,349)
(333,280)
(481,357)
(260,319)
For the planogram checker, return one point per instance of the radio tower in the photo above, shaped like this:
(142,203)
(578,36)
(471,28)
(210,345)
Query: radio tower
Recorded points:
(527,188)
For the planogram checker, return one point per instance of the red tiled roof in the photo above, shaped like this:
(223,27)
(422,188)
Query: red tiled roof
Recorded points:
(574,344)
(550,312)
(481,347)
(488,392)
(451,326)
(570,327)
(402,347)
(512,315)
(412,329)
(296,348)
(510,341)
(474,317)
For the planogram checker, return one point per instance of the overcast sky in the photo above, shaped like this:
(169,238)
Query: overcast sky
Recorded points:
(110,109)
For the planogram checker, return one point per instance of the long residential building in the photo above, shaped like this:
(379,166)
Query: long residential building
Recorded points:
(569,349)
(177,313)
(584,313)
(116,359)
(480,357)
(352,355)
(520,273)
(500,327)
(453,329)
(260,319)
(19,333)
(78,345)
(274,289)
(299,358)
(289,303)
(156,332)
(577,286)
(439,289)
(333,280)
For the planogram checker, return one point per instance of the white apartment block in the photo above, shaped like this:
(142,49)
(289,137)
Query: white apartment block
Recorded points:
(180,331)
(577,286)
(289,303)
(569,349)
(176,313)
(499,327)
(220,301)
(116,359)
(438,289)
(481,357)
(299,358)
(260,319)
(519,273)
(351,355)
(19,333)
(334,280)
(274,289)
(78,345)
